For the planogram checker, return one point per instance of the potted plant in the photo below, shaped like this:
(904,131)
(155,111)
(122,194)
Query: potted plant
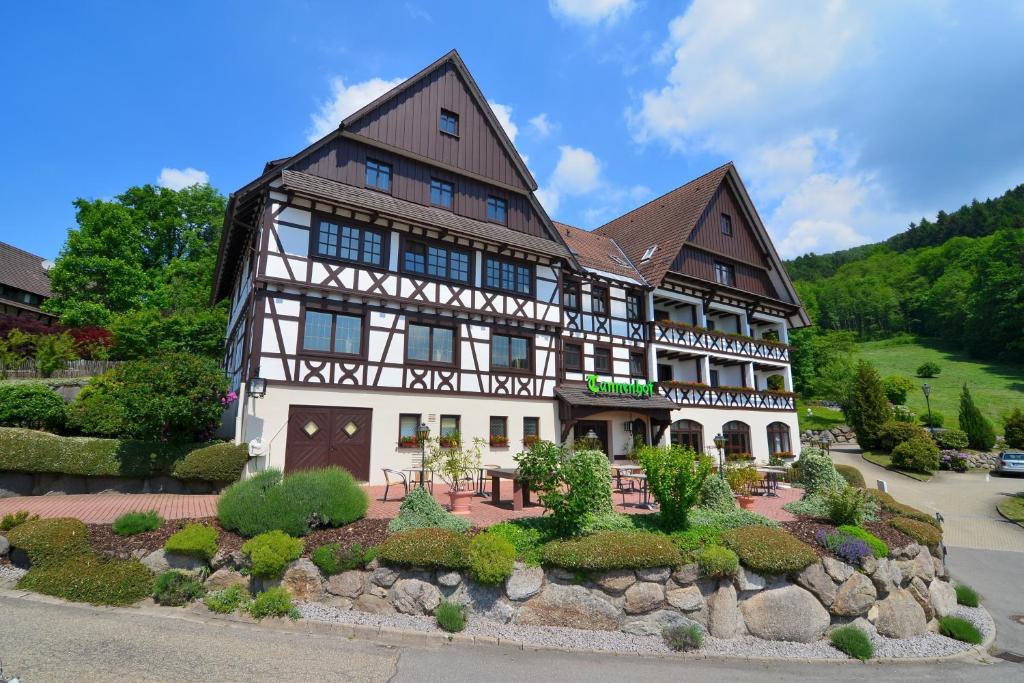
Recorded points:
(408,441)
(740,479)
(499,441)
(530,439)
(450,440)
(455,464)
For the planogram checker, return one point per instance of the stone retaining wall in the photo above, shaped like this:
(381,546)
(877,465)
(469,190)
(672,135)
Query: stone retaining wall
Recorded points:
(21,484)
(837,434)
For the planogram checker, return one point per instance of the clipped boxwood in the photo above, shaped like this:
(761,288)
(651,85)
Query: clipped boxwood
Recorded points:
(220,463)
(769,551)
(431,547)
(607,550)
(491,558)
(46,541)
(923,533)
(34,406)
(716,561)
(271,552)
(196,540)
(90,578)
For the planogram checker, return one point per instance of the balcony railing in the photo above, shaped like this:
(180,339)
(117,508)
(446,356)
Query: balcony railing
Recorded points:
(701,395)
(678,334)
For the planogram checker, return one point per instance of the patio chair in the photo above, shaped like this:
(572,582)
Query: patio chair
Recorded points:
(428,479)
(621,487)
(394,477)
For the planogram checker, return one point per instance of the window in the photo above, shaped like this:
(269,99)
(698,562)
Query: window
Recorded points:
(649,253)
(496,210)
(636,364)
(778,438)
(441,193)
(430,344)
(510,352)
(449,425)
(449,122)
(726,224)
(714,378)
(737,437)
(599,300)
(499,427)
(573,355)
(531,428)
(508,276)
(664,372)
(687,433)
(602,359)
(378,175)
(439,262)
(350,243)
(571,295)
(408,423)
(329,332)
(725,274)
(634,307)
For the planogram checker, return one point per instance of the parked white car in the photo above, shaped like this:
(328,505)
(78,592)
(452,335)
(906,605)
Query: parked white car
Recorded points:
(1010,462)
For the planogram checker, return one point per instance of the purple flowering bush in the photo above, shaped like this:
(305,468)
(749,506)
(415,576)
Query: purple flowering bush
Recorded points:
(954,460)
(844,546)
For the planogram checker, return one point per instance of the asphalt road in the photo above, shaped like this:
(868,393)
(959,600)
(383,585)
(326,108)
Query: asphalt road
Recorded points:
(58,642)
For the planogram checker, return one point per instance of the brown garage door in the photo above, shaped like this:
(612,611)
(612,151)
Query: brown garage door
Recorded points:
(320,436)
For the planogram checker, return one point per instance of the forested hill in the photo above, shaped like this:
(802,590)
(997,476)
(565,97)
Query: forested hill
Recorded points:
(976,219)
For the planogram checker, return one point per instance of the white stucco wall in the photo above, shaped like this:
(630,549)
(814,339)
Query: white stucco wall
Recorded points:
(713,420)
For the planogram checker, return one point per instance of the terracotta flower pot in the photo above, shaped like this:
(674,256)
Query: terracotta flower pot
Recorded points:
(746,502)
(460,501)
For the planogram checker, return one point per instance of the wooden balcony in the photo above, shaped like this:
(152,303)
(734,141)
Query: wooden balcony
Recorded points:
(703,396)
(678,334)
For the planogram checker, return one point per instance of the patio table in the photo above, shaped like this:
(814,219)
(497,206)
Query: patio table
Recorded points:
(520,487)
(644,490)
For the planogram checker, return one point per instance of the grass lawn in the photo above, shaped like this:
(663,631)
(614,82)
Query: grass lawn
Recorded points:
(820,418)
(1012,507)
(884,460)
(996,388)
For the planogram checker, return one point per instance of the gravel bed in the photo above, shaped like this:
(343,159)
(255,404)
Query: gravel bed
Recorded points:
(9,574)
(749,646)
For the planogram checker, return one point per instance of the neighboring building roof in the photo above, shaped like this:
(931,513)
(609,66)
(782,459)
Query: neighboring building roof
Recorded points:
(21,270)
(418,214)
(598,253)
(579,395)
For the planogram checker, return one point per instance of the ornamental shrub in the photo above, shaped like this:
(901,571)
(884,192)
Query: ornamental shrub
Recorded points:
(954,461)
(491,558)
(936,419)
(88,577)
(960,629)
(852,641)
(879,548)
(720,521)
(951,439)
(271,552)
(866,407)
(814,505)
(683,637)
(896,388)
(419,510)
(47,541)
(769,551)
(920,454)
(980,434)
(13,519)
(923,533)
(429,547)
(695,539)
(716,561)
(1013,429)
(273,602)
(177,588)
(675,477)
(817,472)
(33,406)
(220,463)
(53,351)
(228,600)
(715,494)
(849,505)
(132,523)
(894,433)
(890,504)
(852,475)
(928,369)
(572,486)
(196,540)
(613,550)
(966,596)
(334,559)
(295,504)
(450,616)
(848,548)
(526,541)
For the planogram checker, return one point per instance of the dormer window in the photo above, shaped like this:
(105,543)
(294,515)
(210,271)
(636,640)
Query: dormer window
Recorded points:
(497,210)
(649,253)
(449,123)
(726,224)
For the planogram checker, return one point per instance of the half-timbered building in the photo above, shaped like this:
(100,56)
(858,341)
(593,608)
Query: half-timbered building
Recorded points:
(401,271)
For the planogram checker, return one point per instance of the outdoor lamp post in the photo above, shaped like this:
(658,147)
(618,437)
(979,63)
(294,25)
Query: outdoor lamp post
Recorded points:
(422,434)
(720,445)
(824,444)
(258,387)
(927,399)
(591,437)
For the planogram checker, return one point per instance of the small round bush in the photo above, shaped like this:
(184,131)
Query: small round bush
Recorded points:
(683,637)
(176,588)
(695,539)
(132,523)
(273,602)
(817,472)
(334,559)
(613,550)
(450,616)
(928,369)
(196,540)
(90,578)
(936,419)
(228,600)
(716,561)
(920,454)
(526,540)
(33,406)
(221,463)
(294,504)
(922,532)
(960,629)
(491,558)
(271,552)
(851,475)
(716,495)
(46,541)
(432,548)
(894,432)
(966,596)
(879,548)
(951,439)
(769,551)
(419,510)
(853,642)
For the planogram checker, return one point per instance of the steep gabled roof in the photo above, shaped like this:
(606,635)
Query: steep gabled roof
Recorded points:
(598,252)
(22,270)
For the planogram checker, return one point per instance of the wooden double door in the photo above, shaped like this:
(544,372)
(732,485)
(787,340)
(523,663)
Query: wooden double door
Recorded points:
(321,436)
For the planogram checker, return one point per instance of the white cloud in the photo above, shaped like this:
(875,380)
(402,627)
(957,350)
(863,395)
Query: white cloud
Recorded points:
(541,125)
(180,178)
(591,12)
(346,99)
(503,113)
(577,172)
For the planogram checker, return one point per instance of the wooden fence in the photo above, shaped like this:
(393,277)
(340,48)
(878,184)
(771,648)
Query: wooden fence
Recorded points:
(75,368)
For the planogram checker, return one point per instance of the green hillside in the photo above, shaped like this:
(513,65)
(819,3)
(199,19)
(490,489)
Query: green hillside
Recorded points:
(996,388)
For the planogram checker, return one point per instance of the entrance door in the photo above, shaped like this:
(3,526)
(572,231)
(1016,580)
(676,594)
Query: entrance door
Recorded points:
(320,436)
(600,428)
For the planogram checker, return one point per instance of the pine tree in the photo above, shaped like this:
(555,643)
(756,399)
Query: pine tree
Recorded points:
(980,433)
(1013,428)
(867,408)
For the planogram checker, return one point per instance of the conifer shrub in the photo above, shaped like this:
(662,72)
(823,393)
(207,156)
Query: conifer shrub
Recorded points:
(715,494)
(852,641)
(450,616)
(980,433)
(866,407)
(1013,428)
(960,629)
(966,596)
(419,510)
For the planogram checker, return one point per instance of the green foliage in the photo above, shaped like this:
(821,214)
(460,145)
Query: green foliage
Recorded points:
(196,540)
(822,363)
(952,439)
(47,541)
(890,504)
(776,383)
(132,523)
(1013,428)
(694,540)
(572,486)
(220,463)
(740,477)
(31,405)
(172,396)
(919,454)
(228,600)
(850,505)
(88,577)
(811,505)
(683,637)
(928,369)
(526,541)
(866,408)
(675,477)
(273,602)
(296,504)
(450,616)
(717,561)
(53,351)
(960,629)
(966,596)
(817,472)
(879,548)
(733,519)
(935,420)
(271,552)
(922,532)
(612,550)
(429,547)
(419,510)
(13,519)
(332,558)
(851,475)
(980,434)
(897,387)
(176,588)
(769,551)
(852,641)
(894,433)
(716,495)
(491,558)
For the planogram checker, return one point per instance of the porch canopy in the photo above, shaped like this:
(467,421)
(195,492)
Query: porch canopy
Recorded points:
(577,402)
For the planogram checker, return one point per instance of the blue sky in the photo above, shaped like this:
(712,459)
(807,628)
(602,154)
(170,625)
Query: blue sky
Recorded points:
(847,120)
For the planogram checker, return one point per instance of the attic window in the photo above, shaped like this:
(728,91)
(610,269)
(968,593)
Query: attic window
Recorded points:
(449,122)
(618,260)
(649,253)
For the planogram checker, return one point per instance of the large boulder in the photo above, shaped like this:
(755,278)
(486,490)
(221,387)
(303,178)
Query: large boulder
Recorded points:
(485,601)
(384,577)
(302,579)
(616,581)
(226,578)
(350,584)
(924,568)
(413,596)
(899,615)
(919,590)
(943,597)
(688,599)
(654,574)
(815,579)
(786,613)
(373,604)
(886,576)
(855,596)
(747,580)
(160,561)
(839,571)
(5,546)
(574,606)
(725,620)
(643,597)
(524,583)
(654,623)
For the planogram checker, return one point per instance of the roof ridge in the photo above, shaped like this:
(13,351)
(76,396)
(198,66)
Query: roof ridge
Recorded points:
(19,249)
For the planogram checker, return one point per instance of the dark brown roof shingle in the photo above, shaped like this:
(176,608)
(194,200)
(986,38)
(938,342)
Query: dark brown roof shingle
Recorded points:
(21,270)
(598,252)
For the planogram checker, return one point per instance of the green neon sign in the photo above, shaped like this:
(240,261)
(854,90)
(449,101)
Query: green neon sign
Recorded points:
(636,388)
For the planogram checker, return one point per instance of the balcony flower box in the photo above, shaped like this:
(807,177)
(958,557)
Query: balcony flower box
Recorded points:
(530,440)
(449,441)
(408,442)
(498,441)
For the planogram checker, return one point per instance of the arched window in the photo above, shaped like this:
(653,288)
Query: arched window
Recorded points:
(687,433)
(737,437)
(778,438)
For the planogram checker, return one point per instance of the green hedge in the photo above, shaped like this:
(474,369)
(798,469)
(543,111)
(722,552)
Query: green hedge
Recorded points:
(32,452)
(607,550)
(430,547)
(31,405)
